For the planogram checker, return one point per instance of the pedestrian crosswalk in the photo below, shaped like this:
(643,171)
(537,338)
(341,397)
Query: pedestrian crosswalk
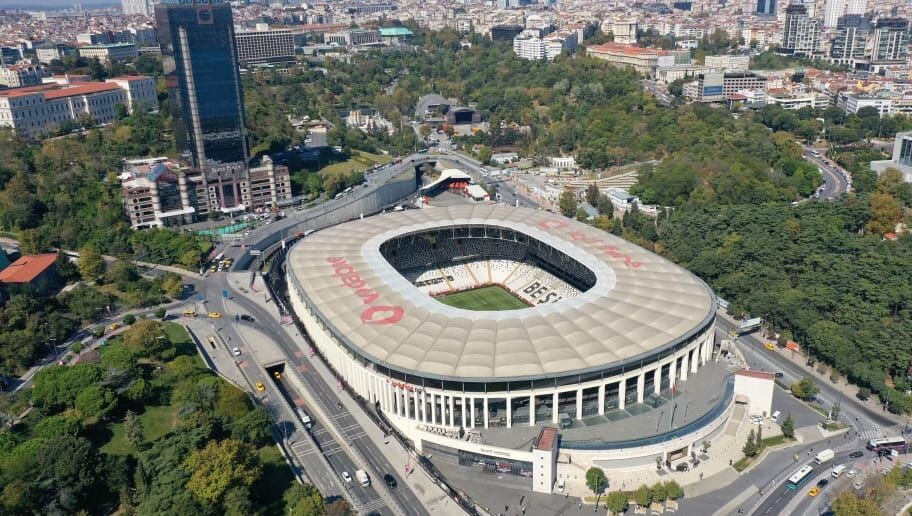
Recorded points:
(878,432)
(373,505)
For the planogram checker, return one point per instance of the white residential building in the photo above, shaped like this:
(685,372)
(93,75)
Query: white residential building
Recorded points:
(264,45)
(19,75)
(37,110)
(112,52)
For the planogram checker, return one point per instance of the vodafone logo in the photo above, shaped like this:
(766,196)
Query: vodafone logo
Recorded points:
(374,314)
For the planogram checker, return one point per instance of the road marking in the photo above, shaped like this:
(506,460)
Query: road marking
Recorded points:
(302,368)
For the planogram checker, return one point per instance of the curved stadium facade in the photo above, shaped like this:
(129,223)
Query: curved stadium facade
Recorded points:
(601,324)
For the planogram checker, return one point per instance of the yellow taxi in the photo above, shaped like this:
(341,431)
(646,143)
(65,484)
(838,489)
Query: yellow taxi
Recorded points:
(814,491)
(260,387)
(770,346)
(189,313)
(215,315)
(113,326)
(278,375)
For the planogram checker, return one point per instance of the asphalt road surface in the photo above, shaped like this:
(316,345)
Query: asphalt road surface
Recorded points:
(835,182)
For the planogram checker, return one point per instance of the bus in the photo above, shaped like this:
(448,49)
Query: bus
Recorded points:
(887,443)
(800,477)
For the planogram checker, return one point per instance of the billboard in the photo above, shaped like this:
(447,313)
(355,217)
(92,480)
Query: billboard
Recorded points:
(712,91)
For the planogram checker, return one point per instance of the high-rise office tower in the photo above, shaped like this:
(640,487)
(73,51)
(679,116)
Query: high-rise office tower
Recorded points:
(135,7)
(204,85)
(766,6)
(851,37)
(891,39)
(801,34)
(832,11)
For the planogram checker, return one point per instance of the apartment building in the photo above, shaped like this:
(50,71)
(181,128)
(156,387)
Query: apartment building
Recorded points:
(19,75)
(644,61)
(160,192)
(264,45)
(109,52)
(725,63)
(529,45)
(38,110)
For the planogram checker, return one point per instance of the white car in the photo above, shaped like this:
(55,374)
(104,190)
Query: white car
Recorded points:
(346,477)
(851,473)
(757,420)
(236,352)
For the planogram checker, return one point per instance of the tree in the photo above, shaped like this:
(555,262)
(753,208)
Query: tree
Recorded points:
(884,212)
(95,401)
(788,427)
(805,389)
(173,285)
(847,503)
(592,194)
(145,338)
(616,502)
(220,466)
(129,319)
(581,214)
(133,429)
(643,496)
(604,206)
(567,203)
(425,131)
(673,490)
(676,87)
(91,265)
(161,312)
(595,480)
(484,155)
(750,447)
(304,500)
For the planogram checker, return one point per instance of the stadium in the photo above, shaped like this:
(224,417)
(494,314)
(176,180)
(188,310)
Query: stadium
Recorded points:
(472,318)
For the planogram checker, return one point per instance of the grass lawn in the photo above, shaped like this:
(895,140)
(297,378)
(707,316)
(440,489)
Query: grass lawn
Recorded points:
(359,161)
(157,421)
(492,298)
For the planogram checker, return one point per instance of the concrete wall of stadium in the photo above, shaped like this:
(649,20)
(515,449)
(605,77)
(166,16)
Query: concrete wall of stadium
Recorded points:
(435,415)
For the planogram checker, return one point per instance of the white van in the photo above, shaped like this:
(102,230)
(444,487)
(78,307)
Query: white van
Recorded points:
(775,416)
(838,470)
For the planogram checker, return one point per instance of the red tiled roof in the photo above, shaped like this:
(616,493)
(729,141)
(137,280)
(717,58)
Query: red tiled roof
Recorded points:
(129,78)
(546,439)
(83,88)
(27,268)
(763,375)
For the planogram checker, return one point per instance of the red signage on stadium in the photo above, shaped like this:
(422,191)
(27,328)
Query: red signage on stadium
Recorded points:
(579,236)
(375,314)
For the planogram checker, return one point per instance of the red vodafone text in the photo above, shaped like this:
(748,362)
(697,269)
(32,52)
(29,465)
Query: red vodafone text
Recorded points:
(374,314)
(595,242)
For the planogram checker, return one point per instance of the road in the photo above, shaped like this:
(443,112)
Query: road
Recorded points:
(835,180)
(340,455)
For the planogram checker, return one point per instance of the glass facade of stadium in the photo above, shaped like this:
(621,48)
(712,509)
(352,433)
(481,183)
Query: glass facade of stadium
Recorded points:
(474,404)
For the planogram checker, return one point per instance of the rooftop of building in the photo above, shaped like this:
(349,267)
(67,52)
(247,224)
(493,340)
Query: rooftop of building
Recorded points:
(108,45)
(632,50)
(27,268)
(546,439)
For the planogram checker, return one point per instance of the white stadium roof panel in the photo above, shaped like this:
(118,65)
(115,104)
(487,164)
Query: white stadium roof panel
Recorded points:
(640,303)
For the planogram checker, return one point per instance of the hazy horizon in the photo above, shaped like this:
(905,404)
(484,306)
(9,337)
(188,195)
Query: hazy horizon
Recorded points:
(38,5)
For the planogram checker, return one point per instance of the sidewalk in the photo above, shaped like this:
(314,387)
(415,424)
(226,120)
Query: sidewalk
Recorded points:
(841,385)
(431,496)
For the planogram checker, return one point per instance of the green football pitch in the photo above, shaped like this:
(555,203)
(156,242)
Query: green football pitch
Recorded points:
(491,298)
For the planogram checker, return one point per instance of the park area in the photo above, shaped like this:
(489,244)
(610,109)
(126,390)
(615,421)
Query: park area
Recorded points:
(484,299)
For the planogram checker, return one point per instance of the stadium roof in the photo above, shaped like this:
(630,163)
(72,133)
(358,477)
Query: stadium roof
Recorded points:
(640,303)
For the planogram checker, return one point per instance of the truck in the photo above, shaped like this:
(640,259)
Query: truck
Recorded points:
(362,477)
(305,419)
(823,456)
(748,325)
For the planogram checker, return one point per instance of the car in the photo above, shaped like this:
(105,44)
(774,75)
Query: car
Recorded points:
(346,477)
(858,484)
(236,352)
(822,483)
(682,467)
(189,313)
(260,387)
(390,481)
(215,315)
(278,375)
(770,346)
(814,491)
(113,326)
(851,473)
(856,455)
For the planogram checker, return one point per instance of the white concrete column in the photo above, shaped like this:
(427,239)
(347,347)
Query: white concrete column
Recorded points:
(452,412)
(554,407)
(694,359)
(601,399)
(641,387)
(672,370)
(509,412)
(531,410)
(471,412)
(684,365)
(418,409)
(705,355)
(579,403)
(622,393)
(657,379)
(403,401)
(462,399)
(433,408)
(485,409)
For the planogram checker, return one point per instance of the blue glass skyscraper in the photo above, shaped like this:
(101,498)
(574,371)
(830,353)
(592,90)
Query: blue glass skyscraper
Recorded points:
(204,85)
